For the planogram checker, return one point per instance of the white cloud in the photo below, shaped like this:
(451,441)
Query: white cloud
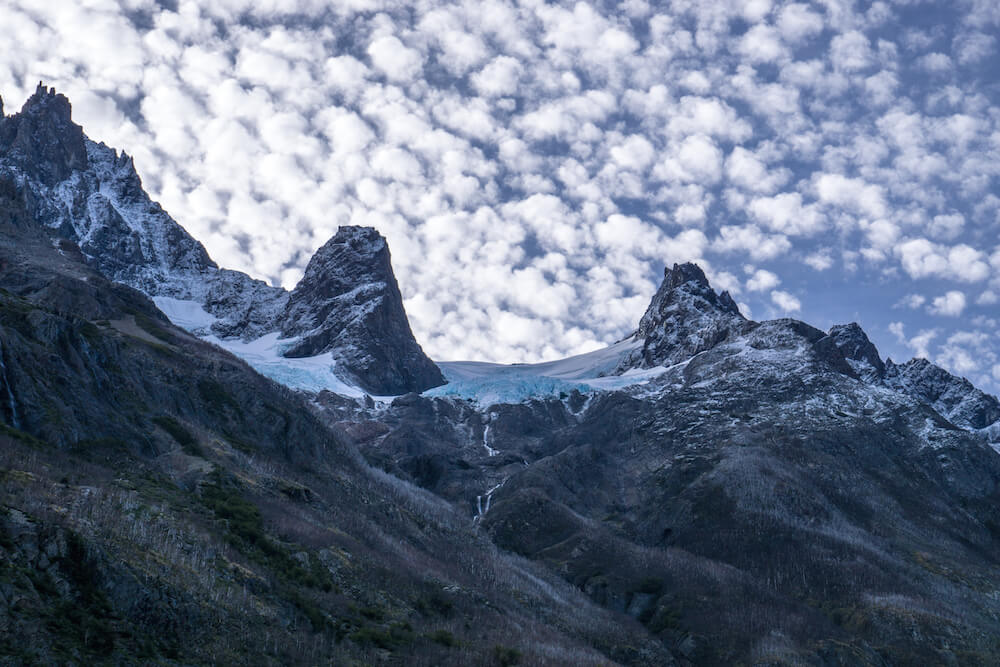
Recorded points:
(897,329)
(785,301)
(851,193)
(501,76)
(975,47)
(696,159)
(535,145)
(921,259)
(935,63)
(920,344)
(762,44)
(988,298)
(762,280)
(750,240)
(797,22)
(911,301)
(966,351)
(786,213)
(947,227)
(951,304)
(394,59)
(635,152)
(851,51)
(746,170)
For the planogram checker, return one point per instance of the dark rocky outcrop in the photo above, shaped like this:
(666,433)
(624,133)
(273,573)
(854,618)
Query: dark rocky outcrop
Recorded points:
(685,317)
(955,398)
(42,140)
(348,302)
(860,352)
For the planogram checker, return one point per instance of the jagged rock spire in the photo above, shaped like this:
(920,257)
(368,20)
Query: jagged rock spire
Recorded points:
(42,138)
(953,397)
(860,353)
(685,317)
(687,279)
(348,303)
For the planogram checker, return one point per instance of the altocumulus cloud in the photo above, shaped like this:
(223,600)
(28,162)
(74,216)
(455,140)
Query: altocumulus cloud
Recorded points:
(534,165)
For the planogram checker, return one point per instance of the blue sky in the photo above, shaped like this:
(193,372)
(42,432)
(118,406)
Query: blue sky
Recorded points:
(534,165)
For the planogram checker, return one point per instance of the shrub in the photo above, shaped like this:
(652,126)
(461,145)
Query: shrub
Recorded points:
(506,656)
(443,637)
(188,443)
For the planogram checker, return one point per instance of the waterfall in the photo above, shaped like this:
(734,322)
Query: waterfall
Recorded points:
(11,402)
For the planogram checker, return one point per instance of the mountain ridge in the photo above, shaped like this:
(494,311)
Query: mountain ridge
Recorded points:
(91,195)
(710,491)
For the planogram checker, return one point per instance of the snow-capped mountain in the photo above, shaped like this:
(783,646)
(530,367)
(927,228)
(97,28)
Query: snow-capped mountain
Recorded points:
(726,491)
(91,195)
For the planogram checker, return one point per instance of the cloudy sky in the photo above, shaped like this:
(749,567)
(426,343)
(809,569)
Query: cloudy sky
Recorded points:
(534,165)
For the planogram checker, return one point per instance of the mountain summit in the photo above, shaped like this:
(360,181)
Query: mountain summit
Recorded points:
(348,303)
(685,317)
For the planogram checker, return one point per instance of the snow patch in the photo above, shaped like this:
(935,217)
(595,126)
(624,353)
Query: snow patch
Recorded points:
(188,315)
(306,373)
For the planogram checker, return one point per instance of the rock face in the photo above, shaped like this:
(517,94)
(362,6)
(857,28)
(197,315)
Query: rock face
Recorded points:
(348,302)
(685,317)
(859,352)
(43,139)
(90,194)
(955,398)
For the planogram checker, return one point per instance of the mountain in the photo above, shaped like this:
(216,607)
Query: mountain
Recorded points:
(710,490)
(775,494)
(163,503)
(90,194)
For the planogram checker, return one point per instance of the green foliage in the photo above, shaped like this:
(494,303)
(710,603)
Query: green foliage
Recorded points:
(311,611)
(106,445)
(443,637)
(665,618)
(183,437)
(243,517)
(22,436)
(649,585)
(372,613)
(396,635)
(433,604)
(246,532)
(153,328)
(506,656)
(85,623)
(217,396)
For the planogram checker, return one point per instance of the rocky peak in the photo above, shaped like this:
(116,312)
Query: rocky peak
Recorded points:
(953,397)
(860,353)
(354,256)
(685,317)
(42,139)
(348,303)
(684,290)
